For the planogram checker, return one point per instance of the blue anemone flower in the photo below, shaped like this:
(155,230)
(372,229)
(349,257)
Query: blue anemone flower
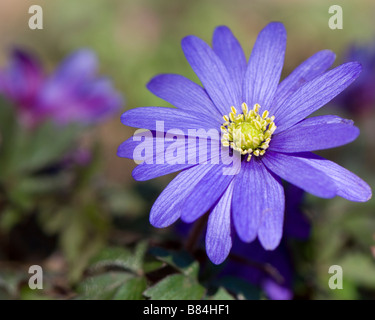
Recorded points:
(260,119)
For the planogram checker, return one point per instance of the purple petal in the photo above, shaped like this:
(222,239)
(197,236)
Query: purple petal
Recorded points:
(212,73)
(86,102)
(271,227)
(315,94)
(218,236)
(167,207)
(229,50)
(148,141)
(126,148)
(2,82)
(80,66)
(22,79)
(348,185)
(90,102)
(156,148)
(101,99)
(296,171)
(253,198)
(144,172)
(276,291)
(317,133)
(184,94)
(146,118)
(206,193)
(265,65)
(305,72)
(157,159)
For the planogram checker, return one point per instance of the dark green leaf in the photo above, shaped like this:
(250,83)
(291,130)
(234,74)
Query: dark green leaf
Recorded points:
(150,266)
(131,289)
(180,260)
(121,257)
(102,286)
(176,287)
(241,288)
(221,294)
(359,268)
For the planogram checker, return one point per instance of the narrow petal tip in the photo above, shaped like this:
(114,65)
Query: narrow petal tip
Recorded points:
(217,258)
(155,82)
(189,39)
(124,117)
(158,221)
(354,67)
(222,29)
(366,192)
(268,244)
(276,26)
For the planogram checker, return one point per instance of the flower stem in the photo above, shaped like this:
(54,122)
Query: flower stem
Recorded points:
(195,233)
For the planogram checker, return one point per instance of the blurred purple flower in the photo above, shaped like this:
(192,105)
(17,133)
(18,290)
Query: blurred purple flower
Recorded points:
(80,156)
(21,81)
(359,98)
(72,94)
(253,200)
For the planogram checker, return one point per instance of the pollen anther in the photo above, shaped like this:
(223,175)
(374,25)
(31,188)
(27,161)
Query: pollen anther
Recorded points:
(249,132)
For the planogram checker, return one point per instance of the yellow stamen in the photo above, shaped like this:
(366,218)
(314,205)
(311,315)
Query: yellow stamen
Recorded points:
(248,133)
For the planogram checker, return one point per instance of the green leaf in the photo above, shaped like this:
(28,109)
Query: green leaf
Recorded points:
(9,217)
(241,288)
(359,268)
(348,291)
(361,226)
(221,294)
(139,255)
(8,130)
(176,287)
(54,221)
(43,184)
(180,260)
(9,282)
(4,295)
(33,150)
(21,199)
(80,240)
(41,152)
(28,294)
(113,257)
(121,257)
(125,202)
(131,289)
(151,266)
(102,286)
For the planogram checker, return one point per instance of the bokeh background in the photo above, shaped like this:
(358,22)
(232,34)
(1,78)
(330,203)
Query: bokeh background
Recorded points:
(105,208)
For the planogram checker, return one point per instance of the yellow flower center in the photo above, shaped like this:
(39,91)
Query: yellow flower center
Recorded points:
(249,132)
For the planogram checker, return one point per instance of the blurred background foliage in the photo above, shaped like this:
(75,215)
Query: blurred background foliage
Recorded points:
(87,223)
